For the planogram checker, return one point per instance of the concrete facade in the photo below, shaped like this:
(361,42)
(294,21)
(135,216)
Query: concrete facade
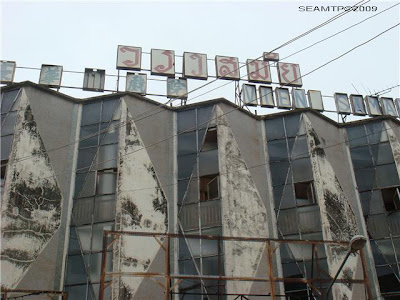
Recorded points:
(72,168)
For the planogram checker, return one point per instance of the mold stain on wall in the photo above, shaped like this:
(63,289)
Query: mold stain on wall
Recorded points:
(243,211)
(31,208)
(337,217)
(141,206)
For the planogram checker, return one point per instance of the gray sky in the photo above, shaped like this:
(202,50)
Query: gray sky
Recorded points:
(79,34)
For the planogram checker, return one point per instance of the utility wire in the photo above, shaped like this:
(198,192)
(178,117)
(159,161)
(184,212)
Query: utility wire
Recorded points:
(171,100)
(206,122)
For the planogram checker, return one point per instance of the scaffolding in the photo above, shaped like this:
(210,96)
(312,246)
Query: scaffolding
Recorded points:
(31,294)
(270,278)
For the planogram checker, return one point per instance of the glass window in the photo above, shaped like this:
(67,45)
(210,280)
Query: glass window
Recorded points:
(394,222)
(107,183)
(274,129)
(302,170)
(109,107)
(107,157)
(210,141)
(104,208)
(387,250)
(280,173)
(382,153)
(292,125)
(300,148)
(287,200)
(7,127)
(98,229)
(187,267)
(361,157)
(187,120)
(377,226)
(85,158)
(391,199)
(89,136)
(288,221)
(187,143)
(186,165)
(77,291)
(91,113)
(304,193)
(365,198)
(356,136)
(309,218)
(277,150)
(365,179)
(73,247)
(209,187)
(376,132)
(95,265)
(182,187)
(208,162)
(84,235)
(204,117)
(376,204)
(210,247)
(88,184)
(6,144)
(386,176)
(7,100)
(109,133)
(82,211)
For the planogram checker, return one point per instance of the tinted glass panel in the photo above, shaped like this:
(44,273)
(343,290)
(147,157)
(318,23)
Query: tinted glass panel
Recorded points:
(280,173)
(204,116)
(88,188)
(208,162)
(377,226)
(382,153)
(365,179)
(277,150)
(8,126)
(187,143)
(104,208)
(85,159)
(6,143)
(387,176)
(91,113)
(107,183)
(89,136)
(300,148)
(275,129)
(356,136)
(185,165)
(7,100)
(75,270)
(288,222)
(107,157)
(187,120)
(109,107)
(110,133)
(292,125)
(376,133)
(361,157)
(302,170)
(82,211)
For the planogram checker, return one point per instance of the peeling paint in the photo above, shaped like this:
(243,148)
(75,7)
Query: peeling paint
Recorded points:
(31,205)
(337,217)
(243,211)
(141,206)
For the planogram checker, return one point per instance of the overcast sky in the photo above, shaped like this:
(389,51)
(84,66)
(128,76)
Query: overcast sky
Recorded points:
(85,34)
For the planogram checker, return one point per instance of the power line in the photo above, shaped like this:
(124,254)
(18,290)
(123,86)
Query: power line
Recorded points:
(290,41)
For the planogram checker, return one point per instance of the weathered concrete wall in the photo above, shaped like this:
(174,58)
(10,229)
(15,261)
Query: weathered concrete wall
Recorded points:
(141,206)
(337,216)
(243,210)
(394,141)
(32,200)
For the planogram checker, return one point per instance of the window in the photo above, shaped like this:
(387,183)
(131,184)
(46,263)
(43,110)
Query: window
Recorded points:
(209,187)
(391,199)
(304,192)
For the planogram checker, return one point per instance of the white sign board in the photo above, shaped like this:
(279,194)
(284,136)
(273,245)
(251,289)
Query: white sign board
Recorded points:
(373,106)
(129,58)
(388,107)
(136,83)
(227,67)
(249,94)
(342,103)
(289,74)
(315,98)
(7,70)
(162,62)
(258,71)
(282,98)
(357,104)
(195,65)
(299,98)
(50,75)
(266,96)
(177,88)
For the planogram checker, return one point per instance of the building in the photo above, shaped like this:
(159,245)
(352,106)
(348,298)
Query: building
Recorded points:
(73,168)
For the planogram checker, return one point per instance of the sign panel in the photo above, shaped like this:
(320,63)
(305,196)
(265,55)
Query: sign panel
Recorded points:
(163,62)
(299,98)
(315,98)
(388,107)
(266,96)
(357,104)
(50,75)
(227,67)
(195,65)
(342,103)
(289,74)
(373,106)
(177,88)
(136,83)
(249,94)
(258,71)
(397,103)
(282,98)
(7,71)
(270,56)
(93,80)
(129,58)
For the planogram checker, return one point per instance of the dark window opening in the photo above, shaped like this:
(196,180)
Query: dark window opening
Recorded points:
(209,187)
(210,141)
(391,198)
(304,192)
